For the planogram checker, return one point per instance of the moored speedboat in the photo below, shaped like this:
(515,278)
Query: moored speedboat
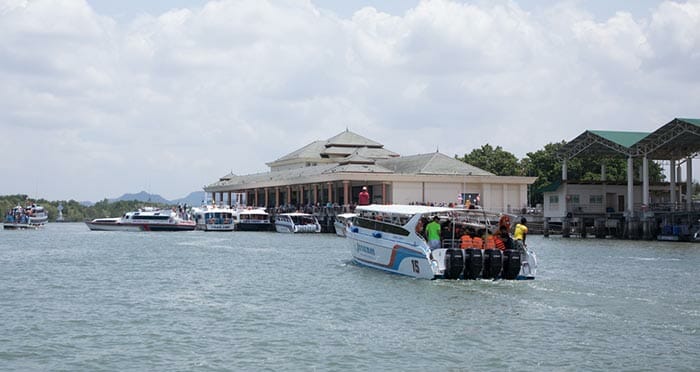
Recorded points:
(297,223)
(145,219)
(389,238)
(30,217)
(213,218)
(341,223)
(252,219)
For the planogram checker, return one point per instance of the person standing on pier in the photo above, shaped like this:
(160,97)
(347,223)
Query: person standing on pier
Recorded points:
(364,196)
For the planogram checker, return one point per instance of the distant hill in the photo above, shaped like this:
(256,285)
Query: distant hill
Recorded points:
(195,198)
(143,197)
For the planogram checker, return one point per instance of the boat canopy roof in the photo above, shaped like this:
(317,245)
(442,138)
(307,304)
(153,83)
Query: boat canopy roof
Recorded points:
(402,209)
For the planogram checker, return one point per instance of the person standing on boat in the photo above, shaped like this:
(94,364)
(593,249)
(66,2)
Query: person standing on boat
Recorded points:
(364,196)
(433,230)
(521,231)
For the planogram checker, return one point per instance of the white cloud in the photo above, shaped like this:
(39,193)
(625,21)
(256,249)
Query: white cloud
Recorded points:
(170,102)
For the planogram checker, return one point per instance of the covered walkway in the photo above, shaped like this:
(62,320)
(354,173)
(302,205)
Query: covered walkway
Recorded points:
(677,142)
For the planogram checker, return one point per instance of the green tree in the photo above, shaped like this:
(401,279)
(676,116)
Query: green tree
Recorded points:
(494,160)
(546,165)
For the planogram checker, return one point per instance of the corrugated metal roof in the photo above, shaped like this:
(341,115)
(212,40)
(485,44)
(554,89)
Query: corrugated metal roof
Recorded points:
(626,139)
(433,163)
(310,151)
(358,168)
(351,139)
(691,121)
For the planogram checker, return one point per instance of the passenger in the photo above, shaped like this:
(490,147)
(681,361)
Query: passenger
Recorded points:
(478,242)
(433,232)
(504,221)
(363,198)
(466,241)
(503,240)
(521,231)
(490,242)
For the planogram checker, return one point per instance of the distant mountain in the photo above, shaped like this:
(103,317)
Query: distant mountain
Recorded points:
(194,199)
(144,197)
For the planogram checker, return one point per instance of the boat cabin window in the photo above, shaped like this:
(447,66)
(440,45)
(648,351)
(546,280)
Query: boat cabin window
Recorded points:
(304,220)
(374,224)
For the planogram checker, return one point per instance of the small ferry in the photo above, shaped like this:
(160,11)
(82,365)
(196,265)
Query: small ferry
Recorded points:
(252,219)
(30,217)
(144,219)
(389,238)
(342,221)
(297,223)
(213,218)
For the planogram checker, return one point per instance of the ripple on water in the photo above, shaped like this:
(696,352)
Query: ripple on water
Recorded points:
(80,300)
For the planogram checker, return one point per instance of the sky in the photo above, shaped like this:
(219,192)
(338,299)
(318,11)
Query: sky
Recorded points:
(100,98)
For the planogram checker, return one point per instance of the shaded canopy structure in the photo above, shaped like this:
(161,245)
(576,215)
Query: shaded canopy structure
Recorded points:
(677,141)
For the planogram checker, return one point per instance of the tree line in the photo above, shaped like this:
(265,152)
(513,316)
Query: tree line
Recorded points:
(546,166)
(73,211)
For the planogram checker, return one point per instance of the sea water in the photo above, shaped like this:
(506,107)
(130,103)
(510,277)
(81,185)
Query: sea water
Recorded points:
(78,300)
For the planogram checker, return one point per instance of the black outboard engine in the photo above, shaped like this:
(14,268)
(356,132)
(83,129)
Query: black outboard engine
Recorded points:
(493,262)
(511,264)
(473,262)
(454,263)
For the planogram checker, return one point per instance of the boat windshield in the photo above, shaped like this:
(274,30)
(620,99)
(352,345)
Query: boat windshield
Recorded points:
(304,220)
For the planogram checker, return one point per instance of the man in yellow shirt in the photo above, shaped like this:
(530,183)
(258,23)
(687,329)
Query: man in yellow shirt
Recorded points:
(521,231)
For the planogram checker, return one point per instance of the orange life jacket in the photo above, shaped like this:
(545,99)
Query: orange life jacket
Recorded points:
(477,242)
(490,243)
(466,242)
(500,244)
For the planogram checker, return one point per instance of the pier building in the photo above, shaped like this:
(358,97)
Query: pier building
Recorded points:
(333,171)
(637,208)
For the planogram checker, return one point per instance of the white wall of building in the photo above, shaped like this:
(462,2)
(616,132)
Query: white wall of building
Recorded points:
(406,192)
(496,197)
(595,199)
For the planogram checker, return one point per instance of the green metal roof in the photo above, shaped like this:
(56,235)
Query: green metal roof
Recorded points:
(691,121)
(626,139)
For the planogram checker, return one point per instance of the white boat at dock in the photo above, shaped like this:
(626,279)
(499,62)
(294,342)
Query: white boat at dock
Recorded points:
(214,218)
(388,238)
(30,217)
(145,219)
(341,223)
(252,219)
(297,223)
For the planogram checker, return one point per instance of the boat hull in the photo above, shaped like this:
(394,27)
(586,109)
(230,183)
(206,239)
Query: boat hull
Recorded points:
(391,256)
(116,226)
(339,228)
(297,229)
(20,226)
(215,227)
(247,226)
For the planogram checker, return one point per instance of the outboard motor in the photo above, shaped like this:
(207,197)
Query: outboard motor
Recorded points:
(511,264)
(454,263)
(493,263)
(473,262)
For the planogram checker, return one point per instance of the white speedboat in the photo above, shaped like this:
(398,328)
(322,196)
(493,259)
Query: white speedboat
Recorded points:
(389,238)
(30,217)
(342,221)
(297,223)
(213,218)
(252,219)
(145,219)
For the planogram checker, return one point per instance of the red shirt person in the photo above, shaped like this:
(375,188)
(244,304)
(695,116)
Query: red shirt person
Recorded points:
(364,196)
